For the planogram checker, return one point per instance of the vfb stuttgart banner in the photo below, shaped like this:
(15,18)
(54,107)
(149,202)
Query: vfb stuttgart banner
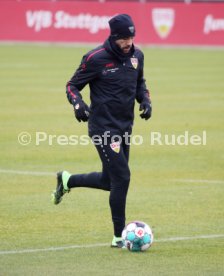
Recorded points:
(87,22)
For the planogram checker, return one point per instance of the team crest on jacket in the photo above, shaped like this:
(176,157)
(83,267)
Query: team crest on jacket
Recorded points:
(134,62)
(115,146)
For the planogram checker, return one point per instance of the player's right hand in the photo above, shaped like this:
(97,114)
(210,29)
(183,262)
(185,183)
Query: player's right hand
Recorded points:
(81,110)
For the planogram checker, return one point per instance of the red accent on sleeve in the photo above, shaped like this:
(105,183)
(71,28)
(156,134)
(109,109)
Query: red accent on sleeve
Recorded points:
(100,50)
(70,92)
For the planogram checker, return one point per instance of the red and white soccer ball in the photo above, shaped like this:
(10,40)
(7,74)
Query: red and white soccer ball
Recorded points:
(137,236)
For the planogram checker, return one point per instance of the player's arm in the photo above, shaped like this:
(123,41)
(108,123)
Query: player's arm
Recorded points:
(83,75)
(143,95)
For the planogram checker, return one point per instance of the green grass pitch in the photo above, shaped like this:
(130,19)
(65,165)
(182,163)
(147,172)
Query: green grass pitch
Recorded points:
(178,190)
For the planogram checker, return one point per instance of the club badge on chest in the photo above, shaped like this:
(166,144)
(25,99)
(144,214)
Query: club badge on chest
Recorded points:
(134,62)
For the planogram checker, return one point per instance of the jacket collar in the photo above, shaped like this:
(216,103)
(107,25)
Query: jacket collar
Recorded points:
(112,48)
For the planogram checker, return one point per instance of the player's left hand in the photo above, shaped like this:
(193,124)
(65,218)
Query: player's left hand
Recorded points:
(146,107)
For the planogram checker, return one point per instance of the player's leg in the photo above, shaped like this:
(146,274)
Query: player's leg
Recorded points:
(115,177)
(96,180)
(67,181)
(120,178)
(120,174)
(115,160)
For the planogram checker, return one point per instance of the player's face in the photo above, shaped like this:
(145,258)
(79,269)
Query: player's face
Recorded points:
(125,44)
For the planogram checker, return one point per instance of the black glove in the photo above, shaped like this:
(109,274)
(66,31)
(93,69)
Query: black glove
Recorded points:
(81,110)
(147,109)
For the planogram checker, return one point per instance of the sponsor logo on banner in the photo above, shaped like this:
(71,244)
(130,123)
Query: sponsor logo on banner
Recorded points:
(212,24)
(39,19)
(42,19)
(134,62)
(115,146)
(163,21)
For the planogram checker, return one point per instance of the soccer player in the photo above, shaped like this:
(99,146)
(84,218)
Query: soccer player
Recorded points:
(114,73)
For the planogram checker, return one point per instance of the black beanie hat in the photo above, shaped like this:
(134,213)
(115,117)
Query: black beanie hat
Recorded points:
(121,26)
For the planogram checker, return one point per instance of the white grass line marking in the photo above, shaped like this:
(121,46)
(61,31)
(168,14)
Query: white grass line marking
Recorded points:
(52,248)
(199,181)
(27,172)
(172,239)
(53,174)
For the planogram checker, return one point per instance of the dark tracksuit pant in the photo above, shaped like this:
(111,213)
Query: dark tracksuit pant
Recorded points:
(115,177)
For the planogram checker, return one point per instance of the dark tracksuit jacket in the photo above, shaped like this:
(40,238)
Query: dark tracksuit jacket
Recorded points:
(115,81)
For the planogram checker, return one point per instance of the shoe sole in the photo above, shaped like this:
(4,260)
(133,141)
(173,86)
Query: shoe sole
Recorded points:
(54,198)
